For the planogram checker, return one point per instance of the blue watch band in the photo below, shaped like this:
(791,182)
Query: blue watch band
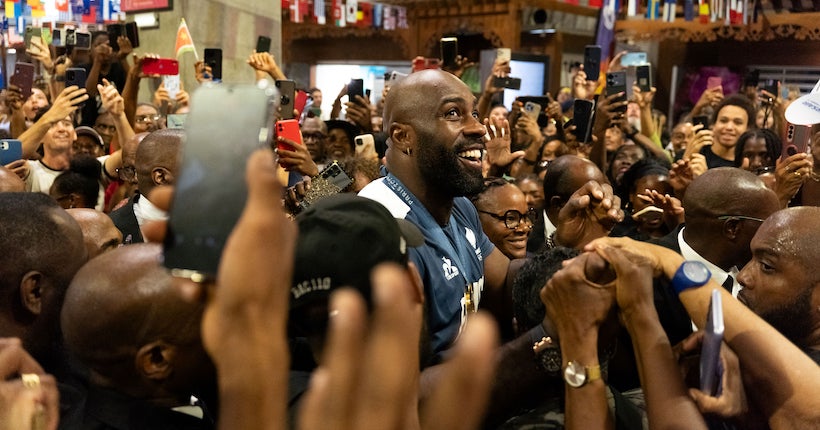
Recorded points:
(690,274)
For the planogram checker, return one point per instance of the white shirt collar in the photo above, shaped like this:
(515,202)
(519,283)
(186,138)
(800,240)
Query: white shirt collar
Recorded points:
(718,275)
(144,211)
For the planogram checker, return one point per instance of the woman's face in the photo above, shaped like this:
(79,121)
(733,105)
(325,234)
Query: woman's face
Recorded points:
(36,101)
(624,159)
(649,221)
(494,207)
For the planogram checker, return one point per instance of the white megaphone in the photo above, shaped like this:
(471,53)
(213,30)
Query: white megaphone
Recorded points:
(805,110)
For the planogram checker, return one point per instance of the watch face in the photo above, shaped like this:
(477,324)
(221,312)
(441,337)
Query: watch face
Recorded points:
(696,272)
(575,375)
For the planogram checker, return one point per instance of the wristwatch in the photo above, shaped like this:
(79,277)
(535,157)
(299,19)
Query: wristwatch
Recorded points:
(546,351)
(690,274)
(577,375)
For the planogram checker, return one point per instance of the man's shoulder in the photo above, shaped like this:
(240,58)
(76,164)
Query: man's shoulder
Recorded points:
(379,191)
(669,241)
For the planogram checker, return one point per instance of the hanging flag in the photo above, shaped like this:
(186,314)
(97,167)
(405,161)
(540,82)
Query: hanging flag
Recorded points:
(389,18)
(338,13)
(61,5)
(378,15)
(13,8)
(351,11)
(605,34)
(401,17)
(296,11)
(364,17)
(319,11)
(184,41)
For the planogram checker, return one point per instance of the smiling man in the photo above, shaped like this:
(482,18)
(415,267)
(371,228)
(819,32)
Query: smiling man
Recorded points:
(781,282)
(435,146)
(730,121)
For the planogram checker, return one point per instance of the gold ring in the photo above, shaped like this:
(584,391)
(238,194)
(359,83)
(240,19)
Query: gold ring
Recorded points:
(798,174)
(30,380)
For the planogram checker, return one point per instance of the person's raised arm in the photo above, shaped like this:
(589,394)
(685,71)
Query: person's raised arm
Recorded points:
(577,308)
(608,110)
(132,86)
(501,69)
(498,148)
(591,212)
(667,400)
(264,62)
(785,378)
(64,105)
(113,102)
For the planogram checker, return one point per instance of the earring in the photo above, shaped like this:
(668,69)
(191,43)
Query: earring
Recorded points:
(408,151)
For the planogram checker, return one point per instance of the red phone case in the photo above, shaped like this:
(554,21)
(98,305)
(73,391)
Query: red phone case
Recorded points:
(289,129)
(160,66)
(301,101)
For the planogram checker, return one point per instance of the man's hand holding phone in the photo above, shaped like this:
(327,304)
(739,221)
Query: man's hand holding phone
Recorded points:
(136,69)
(265,62)
(111,99)
(125,48)
(65,103)
(294,157)
(40,52)
(203,72)
(359,112)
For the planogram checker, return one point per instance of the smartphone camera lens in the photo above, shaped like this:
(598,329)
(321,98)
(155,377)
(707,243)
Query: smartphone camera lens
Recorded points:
(285,100)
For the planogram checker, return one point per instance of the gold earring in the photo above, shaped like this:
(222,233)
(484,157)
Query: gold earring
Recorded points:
(408,151)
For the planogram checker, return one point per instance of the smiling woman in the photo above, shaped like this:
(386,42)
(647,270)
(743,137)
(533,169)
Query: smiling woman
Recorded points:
(505,217)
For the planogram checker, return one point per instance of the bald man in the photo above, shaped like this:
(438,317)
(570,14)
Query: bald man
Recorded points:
(142,347)
(127,186)
(10,182)
(566,174)
(781,283)
(41,247)
(434,158)
(99,232)
(156,163)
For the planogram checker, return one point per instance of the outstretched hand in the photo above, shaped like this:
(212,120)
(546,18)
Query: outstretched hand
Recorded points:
(591,212)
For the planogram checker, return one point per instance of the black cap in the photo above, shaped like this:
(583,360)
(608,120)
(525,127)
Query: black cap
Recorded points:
(341,239)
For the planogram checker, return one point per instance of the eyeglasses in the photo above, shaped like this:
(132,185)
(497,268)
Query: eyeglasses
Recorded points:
(739,217)
(126,173)
(148,118)
(512,218)
(105,127)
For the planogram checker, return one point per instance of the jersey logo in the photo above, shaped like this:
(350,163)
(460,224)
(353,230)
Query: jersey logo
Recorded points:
(450,271)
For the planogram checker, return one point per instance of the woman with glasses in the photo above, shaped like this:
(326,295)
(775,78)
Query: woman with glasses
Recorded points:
(505,217)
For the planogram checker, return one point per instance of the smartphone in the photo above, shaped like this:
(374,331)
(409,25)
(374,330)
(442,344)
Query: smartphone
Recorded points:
(301,101)
(532,110)
(30,33)
(503,54)
(209,195)
(643,75)
(420,63)
(23,77)
(287,94)
(171,84)
(332,180)
(772,86)
(175,120)
(160,66)
(289,129)
(213,59)
(70,37)
(616,83)
(540,100)
(58,37)
(449,51)
(263,44)
(711,371)
(355,88)
(46,35)
(365,146)
(796,140)
(132,31)
(592,62)
(702,120)
(11,150)
(75,76)
(713,81)
(507,82)
(115,31)
(82,40)
(633,59)
(582,117)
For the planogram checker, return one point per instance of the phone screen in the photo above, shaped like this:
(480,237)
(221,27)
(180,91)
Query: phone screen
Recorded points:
(210,190)
(213,59)
(710,372)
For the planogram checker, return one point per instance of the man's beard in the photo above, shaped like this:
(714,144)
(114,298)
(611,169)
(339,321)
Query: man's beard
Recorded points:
(793,320)
(442,169)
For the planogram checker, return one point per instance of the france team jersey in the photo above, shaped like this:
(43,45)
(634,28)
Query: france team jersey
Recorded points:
(451,261)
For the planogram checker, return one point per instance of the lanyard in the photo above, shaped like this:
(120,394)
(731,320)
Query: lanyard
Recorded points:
(441,239)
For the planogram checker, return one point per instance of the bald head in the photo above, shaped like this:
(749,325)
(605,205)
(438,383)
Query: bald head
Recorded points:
(10,182)
(795,233)
(133,303)
(157,158)
(99,233)
(41,248)
(728,191)
(565,175)
(411,97)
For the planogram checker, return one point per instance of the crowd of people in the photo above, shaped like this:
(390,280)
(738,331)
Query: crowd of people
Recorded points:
(485,268)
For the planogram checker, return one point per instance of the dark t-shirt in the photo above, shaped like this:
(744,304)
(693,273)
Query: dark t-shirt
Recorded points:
(712,160)
(116,75)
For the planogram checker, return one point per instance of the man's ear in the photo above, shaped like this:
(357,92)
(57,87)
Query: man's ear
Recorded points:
(731,228)
(555,202)
(31,294)
(162,176)
(402,137)
(154,360)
